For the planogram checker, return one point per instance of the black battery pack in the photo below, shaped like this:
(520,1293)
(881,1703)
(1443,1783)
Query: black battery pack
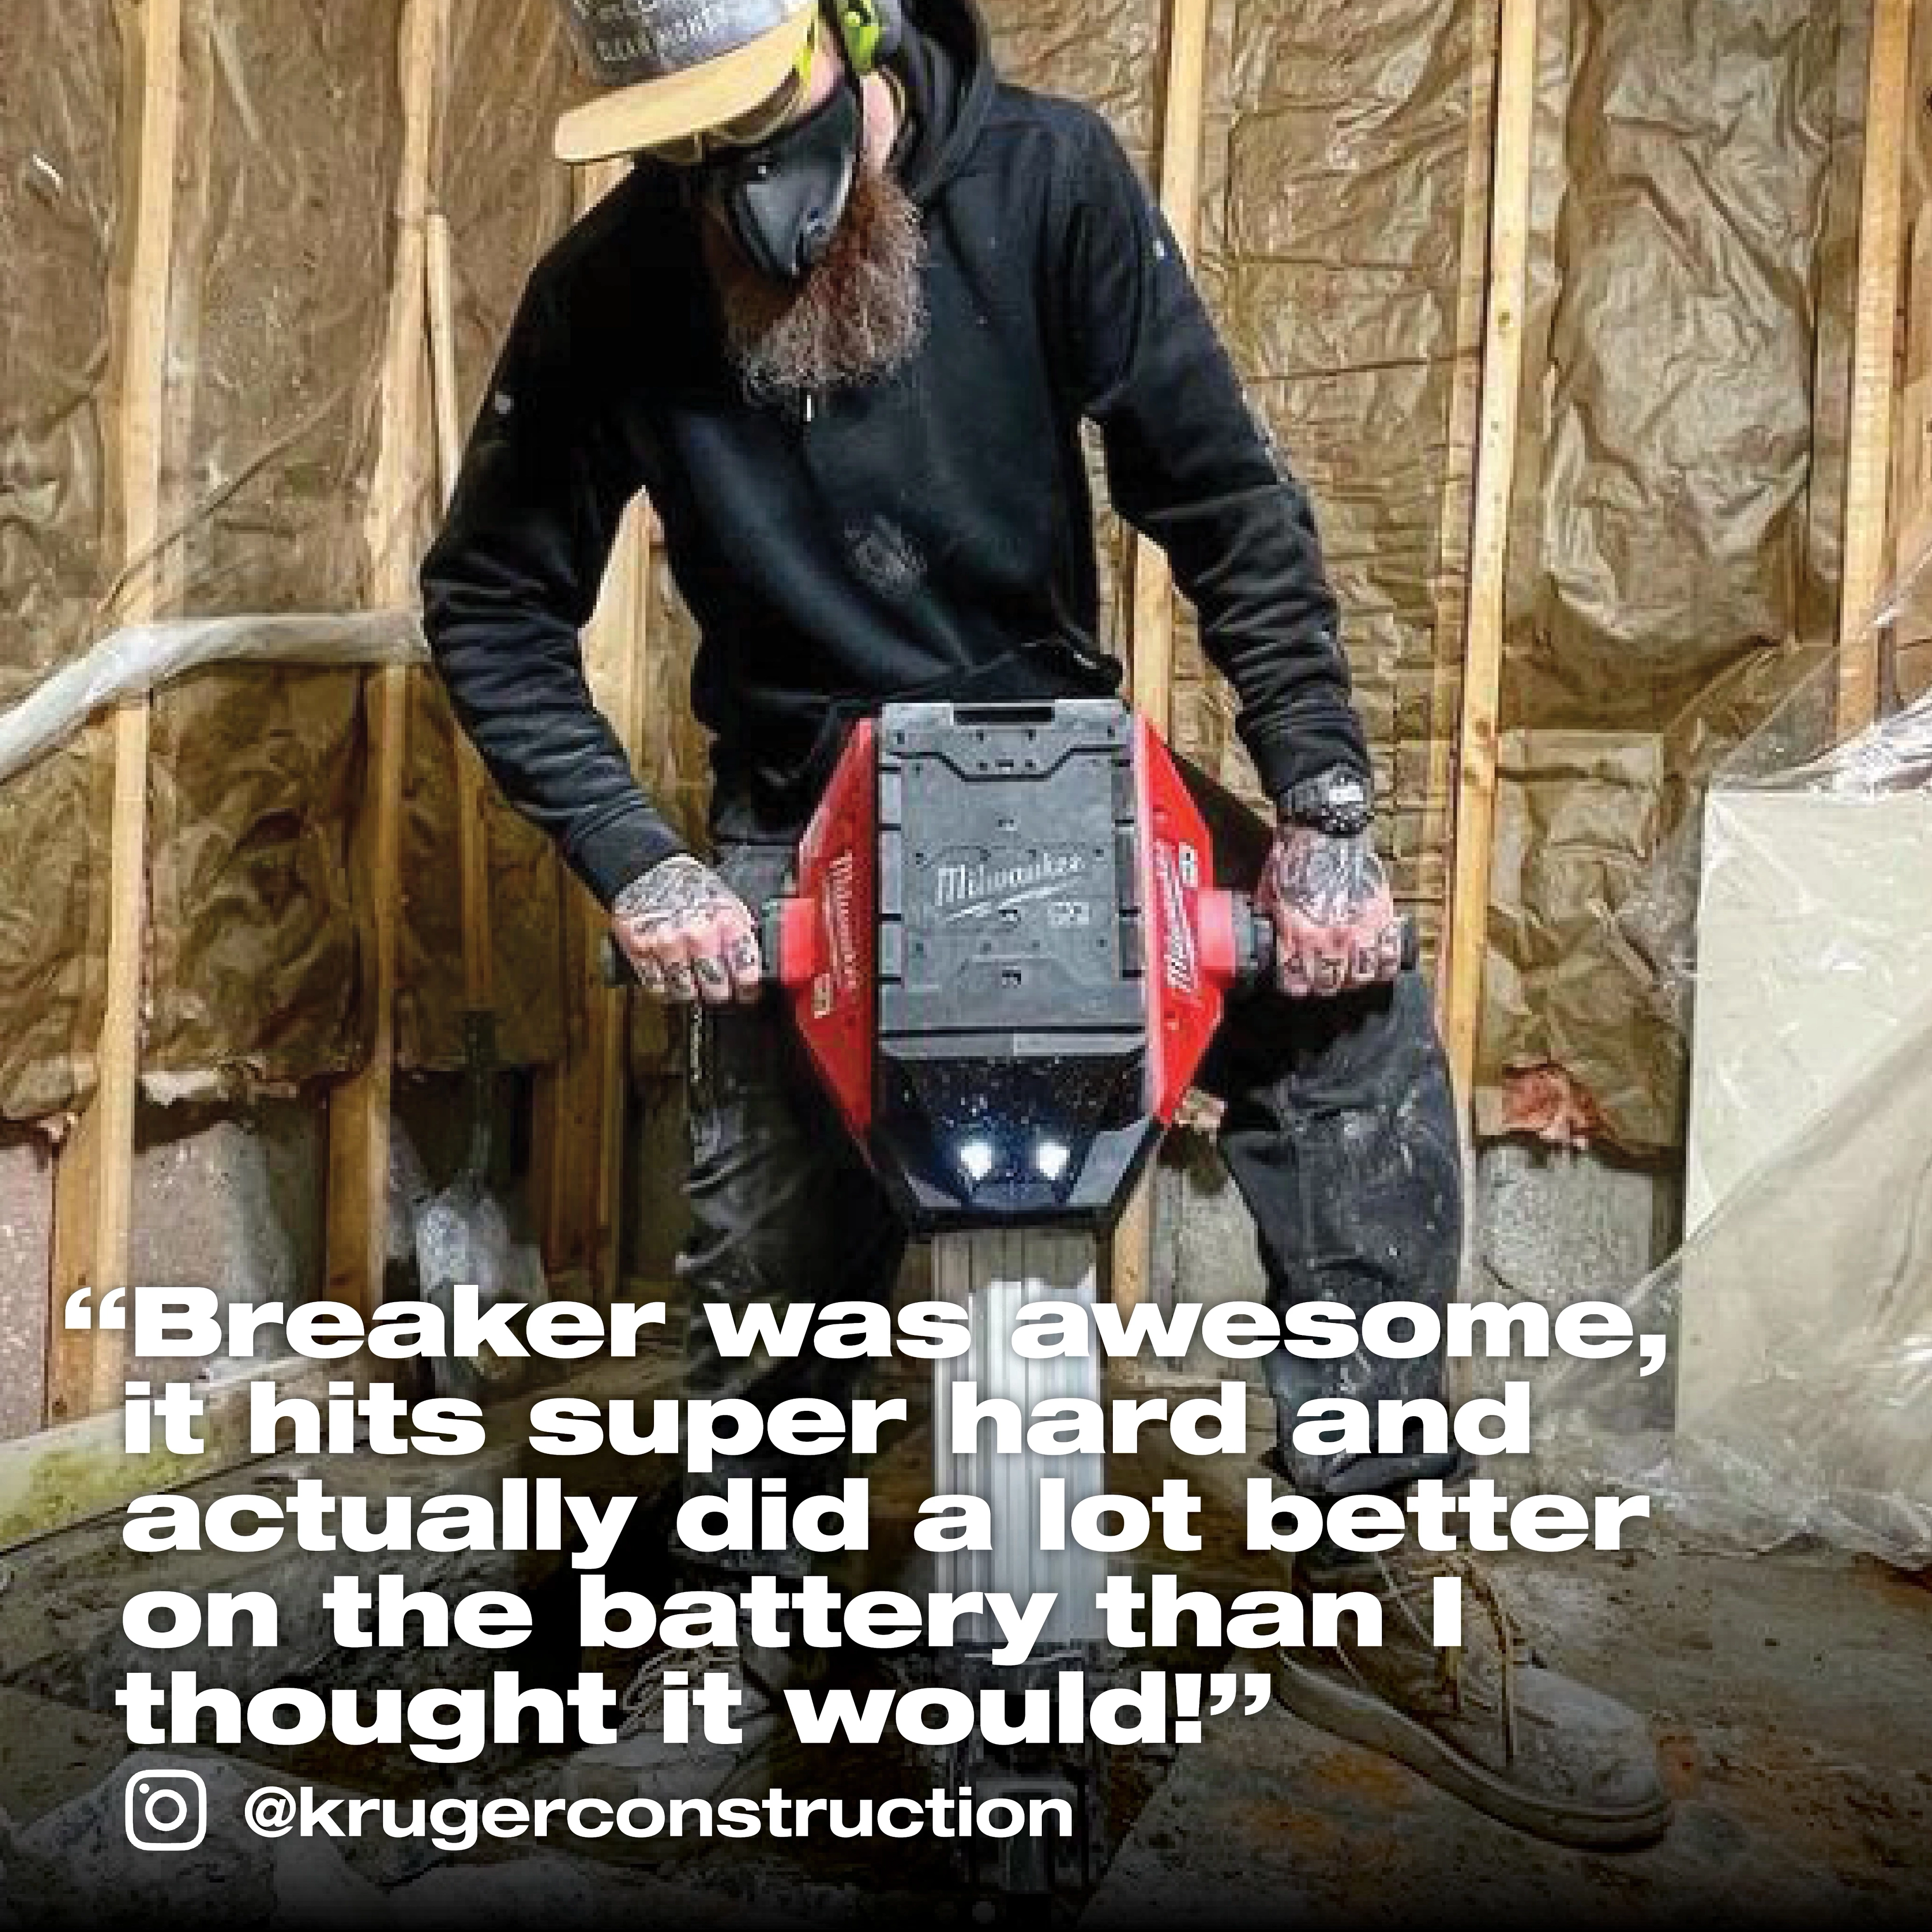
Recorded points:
(1012,1011)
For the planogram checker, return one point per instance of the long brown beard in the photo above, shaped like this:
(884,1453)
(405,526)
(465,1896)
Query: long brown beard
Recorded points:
(860,314)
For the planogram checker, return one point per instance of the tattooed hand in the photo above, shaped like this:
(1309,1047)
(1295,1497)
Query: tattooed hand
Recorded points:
(688,936)
(1334,920)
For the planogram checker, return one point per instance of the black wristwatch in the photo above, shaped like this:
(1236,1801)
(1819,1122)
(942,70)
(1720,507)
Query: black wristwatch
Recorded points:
(1337,802)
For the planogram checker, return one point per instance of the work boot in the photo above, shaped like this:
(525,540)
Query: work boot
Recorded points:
(641,1764)
(1486,1719)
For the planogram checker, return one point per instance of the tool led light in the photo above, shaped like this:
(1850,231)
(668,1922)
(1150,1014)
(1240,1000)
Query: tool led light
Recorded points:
(977,1158)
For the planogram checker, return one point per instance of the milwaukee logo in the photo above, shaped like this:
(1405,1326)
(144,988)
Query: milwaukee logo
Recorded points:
(973,892)
(841,932)
(1177,939)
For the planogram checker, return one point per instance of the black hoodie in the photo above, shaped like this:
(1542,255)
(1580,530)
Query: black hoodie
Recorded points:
(927,534)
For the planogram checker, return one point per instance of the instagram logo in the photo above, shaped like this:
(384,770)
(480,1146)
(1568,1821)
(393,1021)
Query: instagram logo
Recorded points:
(166,1810)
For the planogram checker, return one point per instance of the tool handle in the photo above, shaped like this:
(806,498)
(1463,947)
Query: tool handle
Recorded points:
(1255,945)
(614,969)
(1254,939)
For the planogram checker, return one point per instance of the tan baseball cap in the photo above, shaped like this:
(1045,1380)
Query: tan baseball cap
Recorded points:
(673,68)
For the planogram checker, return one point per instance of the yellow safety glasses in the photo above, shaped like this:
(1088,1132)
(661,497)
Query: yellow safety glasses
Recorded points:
(755,124)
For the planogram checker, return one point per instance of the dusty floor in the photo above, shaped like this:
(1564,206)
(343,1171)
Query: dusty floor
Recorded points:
(1793,1706)
(1792,1700)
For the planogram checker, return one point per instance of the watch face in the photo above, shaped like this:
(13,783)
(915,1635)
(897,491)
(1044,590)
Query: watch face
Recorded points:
(1336,801)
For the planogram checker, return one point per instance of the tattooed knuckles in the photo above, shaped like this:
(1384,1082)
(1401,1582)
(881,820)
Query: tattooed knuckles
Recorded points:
(1319,960)
(689,937)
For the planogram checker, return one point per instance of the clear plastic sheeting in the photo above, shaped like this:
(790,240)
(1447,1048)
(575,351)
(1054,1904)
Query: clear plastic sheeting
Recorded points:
(1815,956)
(1786,930)
(1655,913)
(463,1237)
(1814,950)
(1801,1315)
(510,73)
(1801,1307)
(141,658)
(460,1235)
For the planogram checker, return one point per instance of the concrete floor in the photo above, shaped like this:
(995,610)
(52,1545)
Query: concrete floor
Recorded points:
(1792,1700)
(1793,1704)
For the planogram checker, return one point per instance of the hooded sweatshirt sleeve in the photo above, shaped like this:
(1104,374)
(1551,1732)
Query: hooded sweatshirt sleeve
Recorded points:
(510,583)
(1189,465)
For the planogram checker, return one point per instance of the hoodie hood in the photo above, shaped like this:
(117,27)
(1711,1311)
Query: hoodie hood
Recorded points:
(945,67)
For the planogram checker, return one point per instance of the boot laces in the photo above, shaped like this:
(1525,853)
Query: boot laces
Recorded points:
(643,1702)
(1406,1582)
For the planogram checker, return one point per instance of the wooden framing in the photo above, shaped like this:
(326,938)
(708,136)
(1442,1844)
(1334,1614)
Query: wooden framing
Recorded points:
(358,1115)
(618,650)
(1466,937)
(1185,98)
(1874,364)
(1151,628)
(1912,442)
(1451,584)
(93,1185)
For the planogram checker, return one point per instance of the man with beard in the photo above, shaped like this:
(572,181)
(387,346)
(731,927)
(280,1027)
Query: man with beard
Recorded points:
(844,322)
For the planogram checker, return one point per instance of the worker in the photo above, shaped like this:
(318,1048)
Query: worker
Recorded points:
(843,320)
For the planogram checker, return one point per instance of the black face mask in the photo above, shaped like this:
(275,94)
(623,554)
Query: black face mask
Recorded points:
(782,199)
